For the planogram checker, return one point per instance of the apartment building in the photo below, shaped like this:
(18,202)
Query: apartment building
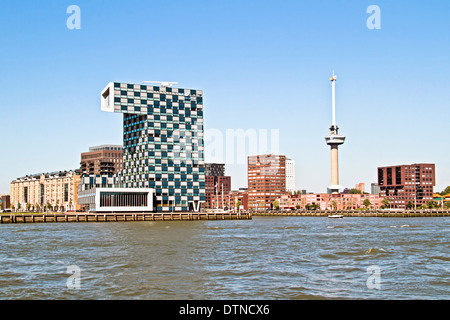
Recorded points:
(266,175)
(57,191)
(217,186)
(102,160)
(404,183)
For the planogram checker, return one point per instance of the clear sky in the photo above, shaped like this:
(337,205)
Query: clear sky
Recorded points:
(261,65)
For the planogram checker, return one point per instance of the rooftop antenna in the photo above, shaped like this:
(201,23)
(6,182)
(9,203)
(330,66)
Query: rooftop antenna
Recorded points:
(162,83)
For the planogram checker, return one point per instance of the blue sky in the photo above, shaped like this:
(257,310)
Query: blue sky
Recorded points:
(261,65)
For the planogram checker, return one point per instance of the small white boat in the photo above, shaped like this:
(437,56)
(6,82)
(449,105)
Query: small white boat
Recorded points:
(336,216)
(217,210)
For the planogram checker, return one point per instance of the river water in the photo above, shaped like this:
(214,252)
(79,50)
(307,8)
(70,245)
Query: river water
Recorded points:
(263,258)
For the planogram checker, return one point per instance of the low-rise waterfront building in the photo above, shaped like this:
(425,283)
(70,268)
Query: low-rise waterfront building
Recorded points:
(238,197)
(4,201)
(56,191)
(328,201)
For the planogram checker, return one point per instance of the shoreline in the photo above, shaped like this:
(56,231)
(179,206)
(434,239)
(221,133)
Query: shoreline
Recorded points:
(359,213)
(36,217)
(117,217)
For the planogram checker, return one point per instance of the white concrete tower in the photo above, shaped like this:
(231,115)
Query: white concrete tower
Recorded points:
(334,140)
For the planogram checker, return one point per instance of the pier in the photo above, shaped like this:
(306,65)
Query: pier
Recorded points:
(116,217)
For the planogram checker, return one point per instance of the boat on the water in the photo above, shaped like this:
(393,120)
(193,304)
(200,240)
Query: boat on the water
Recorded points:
(336,216)
(218,210)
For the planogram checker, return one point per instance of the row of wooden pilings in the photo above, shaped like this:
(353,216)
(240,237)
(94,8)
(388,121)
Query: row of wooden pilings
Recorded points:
(112,217)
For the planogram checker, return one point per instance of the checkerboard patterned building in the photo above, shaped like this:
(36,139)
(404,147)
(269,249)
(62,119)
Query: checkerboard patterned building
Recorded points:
(163,144)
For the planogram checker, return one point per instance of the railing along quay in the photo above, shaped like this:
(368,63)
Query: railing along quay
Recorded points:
(113,217)
(355,213)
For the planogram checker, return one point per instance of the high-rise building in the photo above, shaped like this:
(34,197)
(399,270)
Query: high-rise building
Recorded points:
(102,160)
(360,187)
(290,175)
(266,180)
(404,183)
(162,141)
(374,188)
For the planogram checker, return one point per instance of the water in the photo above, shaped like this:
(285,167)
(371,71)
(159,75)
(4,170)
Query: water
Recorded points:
(263,258)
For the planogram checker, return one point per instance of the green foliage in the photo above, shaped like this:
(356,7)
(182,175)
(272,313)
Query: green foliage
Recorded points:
(354,191)
(446,191)
(367,203)
(276,204)
(410,205)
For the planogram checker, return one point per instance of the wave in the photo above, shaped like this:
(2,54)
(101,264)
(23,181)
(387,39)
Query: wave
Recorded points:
(375,250)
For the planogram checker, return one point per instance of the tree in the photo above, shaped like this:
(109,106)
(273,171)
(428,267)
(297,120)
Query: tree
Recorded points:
(385,202)
(430,204)
(447,205)
(334,205)
(446,191)
(410,205)
(354,191)
(276,204)
(367,203)
(297,207)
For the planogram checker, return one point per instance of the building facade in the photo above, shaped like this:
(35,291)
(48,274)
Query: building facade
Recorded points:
(290,175)
(56,191)
(374,188)
(238,197)
(266,180)
(163,146)
(215,169)
(5,201)
(328,201)
(404,185)
(102,160)
(217,186)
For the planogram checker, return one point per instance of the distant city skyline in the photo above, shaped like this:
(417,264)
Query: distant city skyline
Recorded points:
(262,65)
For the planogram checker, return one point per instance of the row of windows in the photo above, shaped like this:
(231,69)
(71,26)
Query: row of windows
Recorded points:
(156,88)
(162,97)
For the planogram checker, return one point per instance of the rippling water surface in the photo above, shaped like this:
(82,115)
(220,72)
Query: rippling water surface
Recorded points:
(263,258)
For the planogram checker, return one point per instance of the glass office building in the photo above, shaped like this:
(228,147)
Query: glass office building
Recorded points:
(163,146)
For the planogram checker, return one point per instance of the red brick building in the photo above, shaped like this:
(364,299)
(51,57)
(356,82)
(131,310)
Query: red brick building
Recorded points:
(404,183)
(102,160)
(217,186)
(236,196)
(266,180)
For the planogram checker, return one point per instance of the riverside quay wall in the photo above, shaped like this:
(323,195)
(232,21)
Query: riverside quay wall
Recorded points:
(357,213)
(113,217)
